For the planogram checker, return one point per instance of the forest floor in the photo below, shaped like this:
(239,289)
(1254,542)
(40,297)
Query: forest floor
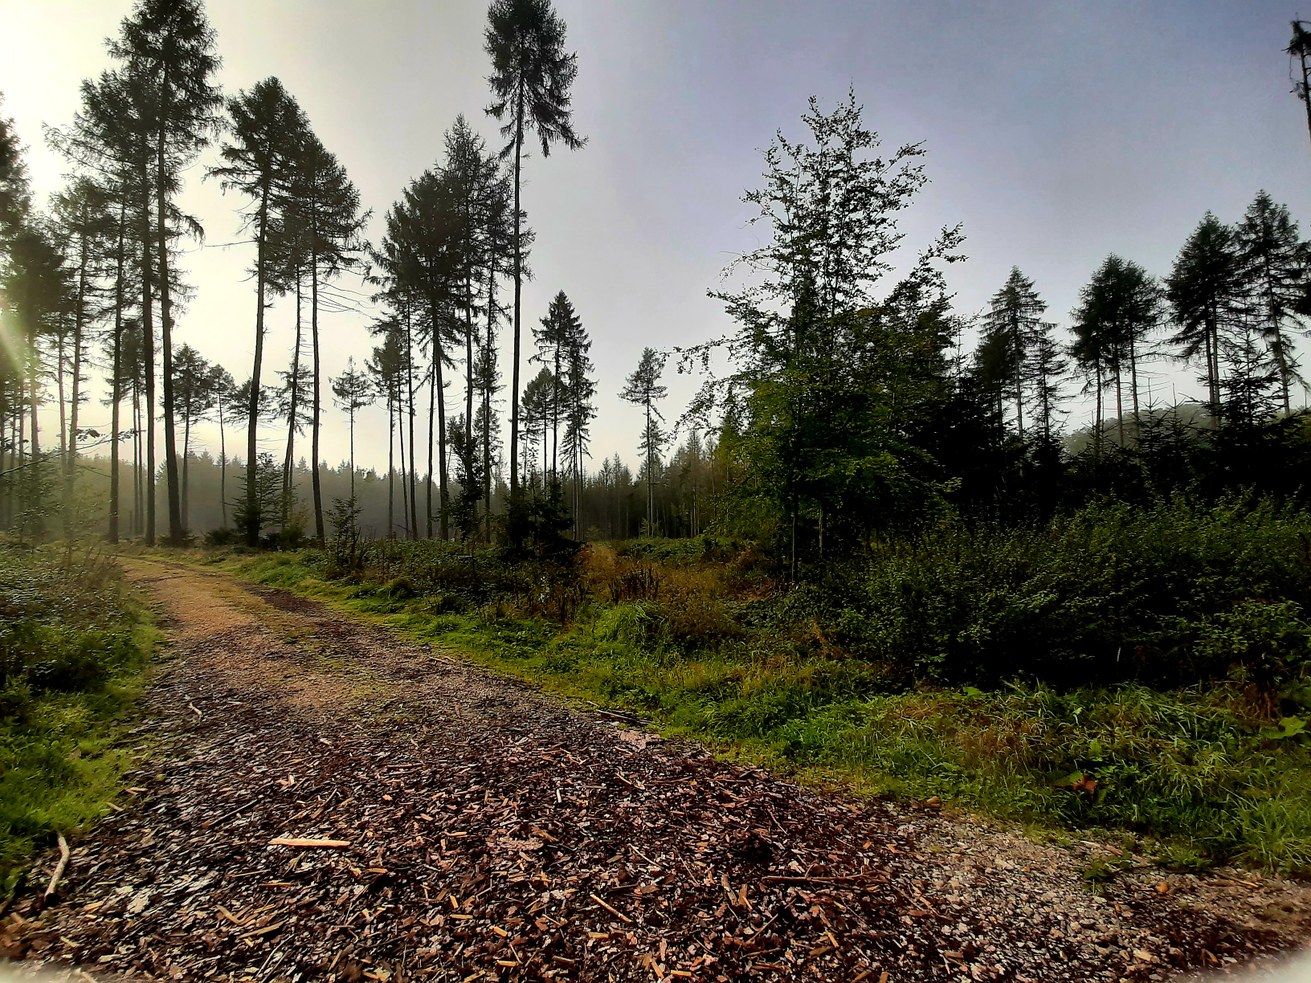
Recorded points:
(318,799)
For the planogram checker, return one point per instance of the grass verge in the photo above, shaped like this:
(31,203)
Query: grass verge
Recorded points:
(74,647)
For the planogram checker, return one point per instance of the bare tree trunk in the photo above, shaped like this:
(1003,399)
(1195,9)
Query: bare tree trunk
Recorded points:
(223,467)
(252,409)
(409,374)
(166,318)
(315,481)
(116,384)
(518,287)
(445,491)
(148,363)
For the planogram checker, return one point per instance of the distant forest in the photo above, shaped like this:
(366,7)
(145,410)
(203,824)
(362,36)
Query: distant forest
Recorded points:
(841,405)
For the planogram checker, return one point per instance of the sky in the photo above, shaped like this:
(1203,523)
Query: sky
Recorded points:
(1056,133)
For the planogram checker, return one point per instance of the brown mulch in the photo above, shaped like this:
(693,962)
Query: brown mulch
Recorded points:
(322,801)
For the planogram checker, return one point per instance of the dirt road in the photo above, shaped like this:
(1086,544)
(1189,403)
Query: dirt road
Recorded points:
(320,800)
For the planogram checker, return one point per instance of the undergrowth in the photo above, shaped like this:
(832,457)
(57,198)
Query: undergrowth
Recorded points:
(1140,673)
(73,647)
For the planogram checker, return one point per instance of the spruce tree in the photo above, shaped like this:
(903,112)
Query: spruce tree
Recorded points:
(267,129)
(1274,261)
(168,45)
(530,82)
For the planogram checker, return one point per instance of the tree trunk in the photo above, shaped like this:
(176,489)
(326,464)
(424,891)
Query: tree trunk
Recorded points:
(391,466)
(166,320)
(223,468)
(70,471)
(439,382)
(252,424)
(409,374)
(518,287)
(137,527)
(116,384)
(432,411)
(352,416)
(315,481)
(487,399)
(289,458)
(148,362)
(186,454)
(406,517)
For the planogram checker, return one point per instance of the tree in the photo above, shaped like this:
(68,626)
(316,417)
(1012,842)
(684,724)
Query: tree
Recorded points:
(110,141)
(643,388)
(354,391)
(15,196)
(387,371)
(193,384)
(288,406)
(1205,290)
(267,126)
(825,374)
(224,389)
(83,222)
(35,285)
(170,44)
(530,82)
(1014,319)
(416,254)
(1300,48)
(580,410)
(327,205)
(1273,260)
(537,397)
(1118,308)
(559,333)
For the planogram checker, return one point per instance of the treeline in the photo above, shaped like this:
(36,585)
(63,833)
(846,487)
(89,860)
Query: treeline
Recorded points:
(849,410)
(94,281)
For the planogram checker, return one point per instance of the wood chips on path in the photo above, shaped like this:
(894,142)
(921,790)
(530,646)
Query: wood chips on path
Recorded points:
(319,800)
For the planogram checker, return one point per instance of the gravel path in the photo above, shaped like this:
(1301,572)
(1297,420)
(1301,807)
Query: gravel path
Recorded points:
(321,800)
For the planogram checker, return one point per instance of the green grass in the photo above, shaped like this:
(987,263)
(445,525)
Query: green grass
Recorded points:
(1195,775)
(73,653)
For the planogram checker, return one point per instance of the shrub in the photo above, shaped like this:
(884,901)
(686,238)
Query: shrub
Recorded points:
(1107,594)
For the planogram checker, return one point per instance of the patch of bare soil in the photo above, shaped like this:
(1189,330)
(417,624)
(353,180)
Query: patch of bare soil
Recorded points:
(323,801)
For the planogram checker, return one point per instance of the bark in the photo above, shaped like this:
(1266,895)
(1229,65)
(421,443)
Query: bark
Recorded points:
(116,394)
(518,287)
(175,530)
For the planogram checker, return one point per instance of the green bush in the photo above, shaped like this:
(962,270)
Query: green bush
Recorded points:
(1108,594)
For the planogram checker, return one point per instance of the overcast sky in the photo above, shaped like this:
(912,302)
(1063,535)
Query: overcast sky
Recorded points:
(1056,132)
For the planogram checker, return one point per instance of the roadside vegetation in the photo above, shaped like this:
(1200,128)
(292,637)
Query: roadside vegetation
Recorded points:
(73,651)
(1141,672)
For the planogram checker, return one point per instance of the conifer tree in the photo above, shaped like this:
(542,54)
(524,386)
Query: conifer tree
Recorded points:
(353,391)
(1205,290)
(168,45)
(1118,309)
(327,208)
(1274,263)
(643,388)
(530,82)
(267,129)
(1014,319)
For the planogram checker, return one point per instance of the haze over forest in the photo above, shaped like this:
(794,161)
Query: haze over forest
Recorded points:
(1053,136)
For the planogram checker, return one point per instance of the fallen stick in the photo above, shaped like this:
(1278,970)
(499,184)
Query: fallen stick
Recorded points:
(309,843)
(618,914)
(59,871)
